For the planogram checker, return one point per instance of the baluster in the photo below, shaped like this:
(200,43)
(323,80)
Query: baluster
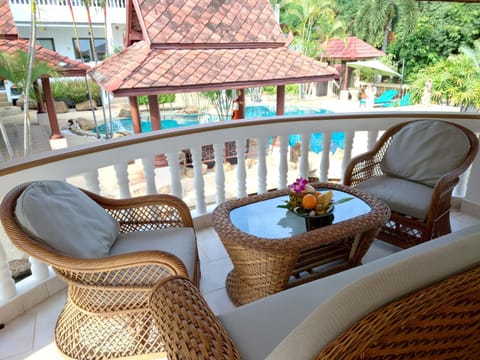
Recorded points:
(198,180)
(121,170)
(461,187)
(283,163)
(7,285)
(148,164)
(372,139)
(325,161)
(39,269)
(241,169)
(175,177)
(304,168)
(347,152)
(92,182)
(262,165)
(219,173)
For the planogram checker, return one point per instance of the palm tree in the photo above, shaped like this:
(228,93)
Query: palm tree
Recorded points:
(27,141)
(312,23)
(376,18)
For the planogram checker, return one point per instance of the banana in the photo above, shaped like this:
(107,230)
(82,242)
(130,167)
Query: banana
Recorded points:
(323,202)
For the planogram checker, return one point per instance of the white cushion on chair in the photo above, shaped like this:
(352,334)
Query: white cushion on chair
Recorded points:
(65,219)
(425,150)
(403,196)
(179,241)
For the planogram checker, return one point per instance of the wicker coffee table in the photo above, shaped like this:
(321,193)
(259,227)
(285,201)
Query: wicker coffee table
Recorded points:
(271,250)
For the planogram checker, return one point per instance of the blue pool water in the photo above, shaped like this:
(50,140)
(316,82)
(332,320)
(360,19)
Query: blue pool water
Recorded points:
(125,124)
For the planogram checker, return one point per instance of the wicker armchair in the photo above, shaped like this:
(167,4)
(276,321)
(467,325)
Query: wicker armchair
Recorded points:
(106,314)
(414,170)
(440,321)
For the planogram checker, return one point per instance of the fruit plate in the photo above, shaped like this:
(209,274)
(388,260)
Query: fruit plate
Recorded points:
(317,221)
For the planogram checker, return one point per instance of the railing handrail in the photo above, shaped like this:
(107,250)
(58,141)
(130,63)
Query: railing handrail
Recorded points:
(388,118)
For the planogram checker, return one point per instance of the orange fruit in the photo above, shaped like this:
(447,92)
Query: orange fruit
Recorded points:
(309,201)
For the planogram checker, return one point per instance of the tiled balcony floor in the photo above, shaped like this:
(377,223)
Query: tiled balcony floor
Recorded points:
(31,335)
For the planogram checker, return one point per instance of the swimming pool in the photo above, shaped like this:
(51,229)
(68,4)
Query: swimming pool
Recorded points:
(179,120)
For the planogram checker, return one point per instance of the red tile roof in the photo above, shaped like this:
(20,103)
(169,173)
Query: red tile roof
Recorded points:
(64,65)
(353,49)
(8,29)
(154,71)
(199,45)
(188,22)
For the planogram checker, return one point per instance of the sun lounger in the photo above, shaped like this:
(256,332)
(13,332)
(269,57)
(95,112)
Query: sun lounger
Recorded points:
(404,101)
(386,97)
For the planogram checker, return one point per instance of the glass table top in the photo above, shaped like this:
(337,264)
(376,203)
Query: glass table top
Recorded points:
(264,219)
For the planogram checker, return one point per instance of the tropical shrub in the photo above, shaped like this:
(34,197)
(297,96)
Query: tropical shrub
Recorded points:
(455,82)
(74,91)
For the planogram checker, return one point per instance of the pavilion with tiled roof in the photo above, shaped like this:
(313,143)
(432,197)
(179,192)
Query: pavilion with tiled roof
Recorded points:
(349,49)
(203,45)
(64,66)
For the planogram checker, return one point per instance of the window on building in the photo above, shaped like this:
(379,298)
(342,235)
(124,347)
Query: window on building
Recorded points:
(86,49)
(46,43)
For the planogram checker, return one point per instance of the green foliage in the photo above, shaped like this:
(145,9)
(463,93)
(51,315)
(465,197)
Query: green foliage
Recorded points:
(292,89)
(75,91)
(455,82)
(166,98)
(441,29)
(376,19)
(270,90)
(162,99)
(13,67)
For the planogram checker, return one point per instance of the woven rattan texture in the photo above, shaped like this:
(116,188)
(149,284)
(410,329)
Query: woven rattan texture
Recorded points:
(263,267)
(438,322)
(401,229)
(189,328)
(106,314)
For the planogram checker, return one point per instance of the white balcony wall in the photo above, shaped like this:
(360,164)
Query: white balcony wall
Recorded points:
(106,168)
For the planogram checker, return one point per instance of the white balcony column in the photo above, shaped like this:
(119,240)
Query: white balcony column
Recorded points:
(92,181)
(219,173)
(198,180)
(121,170)
(347,151)
(283,163)
(304,150)
(371,139)
(325,161)
(241,169)
(7,285)
(148,164)
(175,178)
(472,193)
(262,165)
(39,269)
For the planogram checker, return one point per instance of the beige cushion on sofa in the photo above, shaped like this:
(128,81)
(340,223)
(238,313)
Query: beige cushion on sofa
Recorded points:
(177,241)
(64,218)
(425,150)
(263,327)
(406,197)
(450,254)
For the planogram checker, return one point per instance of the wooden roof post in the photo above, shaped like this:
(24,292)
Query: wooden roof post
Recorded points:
(154,112)
(281,100)
(52,115)
(137,126)
(40,109)
(241,103)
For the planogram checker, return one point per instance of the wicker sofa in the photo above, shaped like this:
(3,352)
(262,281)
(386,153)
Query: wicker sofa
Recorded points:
(419,303)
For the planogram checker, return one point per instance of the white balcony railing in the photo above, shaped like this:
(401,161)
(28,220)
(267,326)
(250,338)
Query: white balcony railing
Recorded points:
(125,167)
